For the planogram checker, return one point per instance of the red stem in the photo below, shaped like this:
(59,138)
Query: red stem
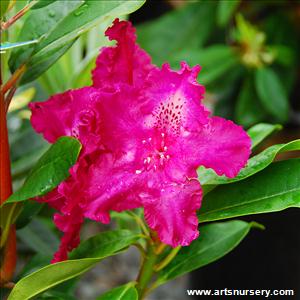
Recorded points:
(8,261)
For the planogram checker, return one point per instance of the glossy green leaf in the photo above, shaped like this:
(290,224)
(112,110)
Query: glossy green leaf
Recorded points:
(260,132)
(254,165)
(124,292)
(225,10)
(36,26)
(88,254)
(42,3)
(62,36)
(215,241)
(61,23)
(272,93)
(39,64)
(248,109)
(273,189)
(51,169)
(29,210)
(175,30)
(83,18)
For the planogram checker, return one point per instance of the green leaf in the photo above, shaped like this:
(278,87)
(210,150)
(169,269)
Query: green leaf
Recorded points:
(225,10)
(29,211)
(58,25)
(106,242)
(42,3)
(176,30)
(215,241)
(261,131)
(248,109)
(254,165)
(36,26)
(83,18)
(51,169)
(39,64)
(275,188)
(124,292)
(88,254)
(3,8)
(284,55)
(216,61)
(272,93)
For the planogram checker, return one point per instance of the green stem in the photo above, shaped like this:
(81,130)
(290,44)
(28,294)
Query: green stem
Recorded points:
(21,13)
(146,271)
(167,260)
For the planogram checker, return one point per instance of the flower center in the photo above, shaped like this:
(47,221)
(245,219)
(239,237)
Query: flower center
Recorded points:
(169,114)
(156,153)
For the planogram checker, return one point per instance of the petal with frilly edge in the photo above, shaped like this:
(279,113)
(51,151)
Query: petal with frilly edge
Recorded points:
(70,225)
(173,215)
(124,63)
(111,184)
(173,100)
(71,113)
(220,145)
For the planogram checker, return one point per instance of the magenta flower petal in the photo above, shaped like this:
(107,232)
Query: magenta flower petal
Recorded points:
(173,215)
(71,113)
(144,132)
(124,63)
(220,145)
(174,99)
(70,225)
(111,185)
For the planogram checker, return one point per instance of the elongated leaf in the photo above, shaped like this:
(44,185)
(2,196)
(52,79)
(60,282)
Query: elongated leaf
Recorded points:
(272,93)
(62,22)
(83,18)
(37,25)
(82,259)
(225,11)
(51,169)
(261,131)
(215,241)
(248,109)
(62,36)
(42,3)
(124,292)
(175,30)
(274,189)
(254,165)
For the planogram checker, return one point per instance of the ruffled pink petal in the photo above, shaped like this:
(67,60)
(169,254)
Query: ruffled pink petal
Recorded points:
(173,215)
(173,100)
(70,225)
(122,126)
(112,185)
(71,113)
(220,145)
(124,63)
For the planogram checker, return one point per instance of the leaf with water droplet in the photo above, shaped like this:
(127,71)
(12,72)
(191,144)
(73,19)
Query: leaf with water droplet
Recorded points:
(67,29)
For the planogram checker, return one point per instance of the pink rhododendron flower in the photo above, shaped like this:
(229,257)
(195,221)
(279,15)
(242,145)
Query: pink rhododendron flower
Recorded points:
(144,133)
